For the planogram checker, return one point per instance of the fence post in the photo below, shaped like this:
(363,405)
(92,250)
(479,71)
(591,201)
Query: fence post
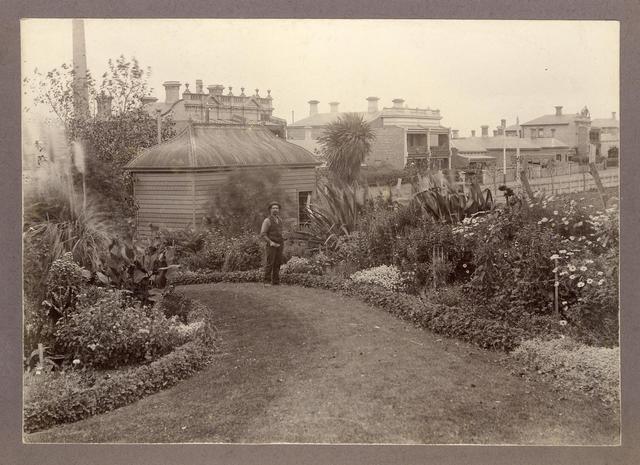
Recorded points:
(596,177)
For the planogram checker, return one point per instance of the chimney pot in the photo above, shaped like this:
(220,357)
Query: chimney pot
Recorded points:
(503,123)
(397,102)
(313,107)
(172,91)
(199,86)
(473,133)
(485,131)
(373,104)
(559,110)
(334,106)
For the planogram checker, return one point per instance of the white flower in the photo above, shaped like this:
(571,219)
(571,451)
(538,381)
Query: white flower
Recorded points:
(589,281)
(562,273)
(555,270)
(600,273)
(556,284)
(563,251)
(545,219)
(589,261)
(571,238)
(464,265)
(573,276)
(76,361)
(600,282)
(583,268)
(555,256)
(580,284)
(572,268)
(562,322)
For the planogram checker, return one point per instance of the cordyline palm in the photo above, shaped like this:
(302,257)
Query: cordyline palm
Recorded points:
(346,142)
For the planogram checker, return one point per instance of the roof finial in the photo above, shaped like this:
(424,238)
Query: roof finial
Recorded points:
(257,92)
(230,93)
(242,91)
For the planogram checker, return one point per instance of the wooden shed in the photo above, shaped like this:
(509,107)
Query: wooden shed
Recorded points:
(175,180)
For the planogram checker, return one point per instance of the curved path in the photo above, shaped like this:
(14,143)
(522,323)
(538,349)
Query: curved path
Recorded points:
(305,365)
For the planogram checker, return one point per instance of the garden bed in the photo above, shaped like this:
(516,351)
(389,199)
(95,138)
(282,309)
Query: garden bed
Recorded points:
(72,399)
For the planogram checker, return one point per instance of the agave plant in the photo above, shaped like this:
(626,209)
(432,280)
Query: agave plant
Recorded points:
(438,198)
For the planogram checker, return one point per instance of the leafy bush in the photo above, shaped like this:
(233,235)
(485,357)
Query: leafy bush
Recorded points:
(115,332)
(175,304)
(142,267)
(301,265)
(245,252)
(574,366)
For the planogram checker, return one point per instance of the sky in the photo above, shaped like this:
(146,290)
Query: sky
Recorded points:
(474,72)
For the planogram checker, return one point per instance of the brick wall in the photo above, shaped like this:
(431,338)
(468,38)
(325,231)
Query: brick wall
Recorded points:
(388,148)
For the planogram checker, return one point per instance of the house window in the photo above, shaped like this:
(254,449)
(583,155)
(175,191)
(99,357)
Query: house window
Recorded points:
(540,132)
(558,157)
(553,132)
(304,198)
(534,133)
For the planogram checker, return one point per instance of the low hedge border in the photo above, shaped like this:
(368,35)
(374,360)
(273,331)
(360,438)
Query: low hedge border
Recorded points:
(457,322)
(574,366)
(127,387)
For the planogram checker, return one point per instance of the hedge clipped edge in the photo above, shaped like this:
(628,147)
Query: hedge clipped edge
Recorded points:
(122,389)
(449,321)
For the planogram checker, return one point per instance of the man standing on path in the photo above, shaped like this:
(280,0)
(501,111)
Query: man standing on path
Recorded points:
(271,232)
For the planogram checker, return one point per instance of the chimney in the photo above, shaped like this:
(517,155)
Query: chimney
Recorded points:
(473,133)
(215,89)
(80,85)
(485,130)
(172,91)
(313,107)
(455,133)
(397,102)
(373,104)
(496,133)
(307,133)
(148,100)
(199,86)
(558,110)
(613,115)
(103,102)
(503,123)
(334,106)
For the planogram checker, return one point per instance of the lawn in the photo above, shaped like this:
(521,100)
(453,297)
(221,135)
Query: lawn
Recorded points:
(305,365)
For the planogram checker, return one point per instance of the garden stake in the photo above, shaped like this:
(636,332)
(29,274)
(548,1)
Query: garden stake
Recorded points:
(556,285)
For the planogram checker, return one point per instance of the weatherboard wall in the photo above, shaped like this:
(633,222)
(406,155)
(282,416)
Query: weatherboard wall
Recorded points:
(176,200)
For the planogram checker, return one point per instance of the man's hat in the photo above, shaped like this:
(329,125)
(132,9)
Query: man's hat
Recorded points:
(271,204)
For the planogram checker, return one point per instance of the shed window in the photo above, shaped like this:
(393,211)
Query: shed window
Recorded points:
(304,197)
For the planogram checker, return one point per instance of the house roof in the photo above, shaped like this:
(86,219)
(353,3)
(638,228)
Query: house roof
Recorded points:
(322,119)
(468,145)
(551,119)
(605,123)
(549,143)
(202,146)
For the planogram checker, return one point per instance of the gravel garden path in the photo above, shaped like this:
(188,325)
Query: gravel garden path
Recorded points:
(306,365)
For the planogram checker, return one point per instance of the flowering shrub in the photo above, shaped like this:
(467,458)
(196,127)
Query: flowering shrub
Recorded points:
(574,366)
(115,332)
(301,265)
(388,277)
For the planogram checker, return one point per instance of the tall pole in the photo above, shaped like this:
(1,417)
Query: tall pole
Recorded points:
(504,153)
(518,148)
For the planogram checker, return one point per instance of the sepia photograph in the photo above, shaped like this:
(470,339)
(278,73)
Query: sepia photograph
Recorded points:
(321,231)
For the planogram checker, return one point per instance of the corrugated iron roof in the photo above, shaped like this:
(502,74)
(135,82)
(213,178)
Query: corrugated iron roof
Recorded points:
(468,145)
(201,146)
